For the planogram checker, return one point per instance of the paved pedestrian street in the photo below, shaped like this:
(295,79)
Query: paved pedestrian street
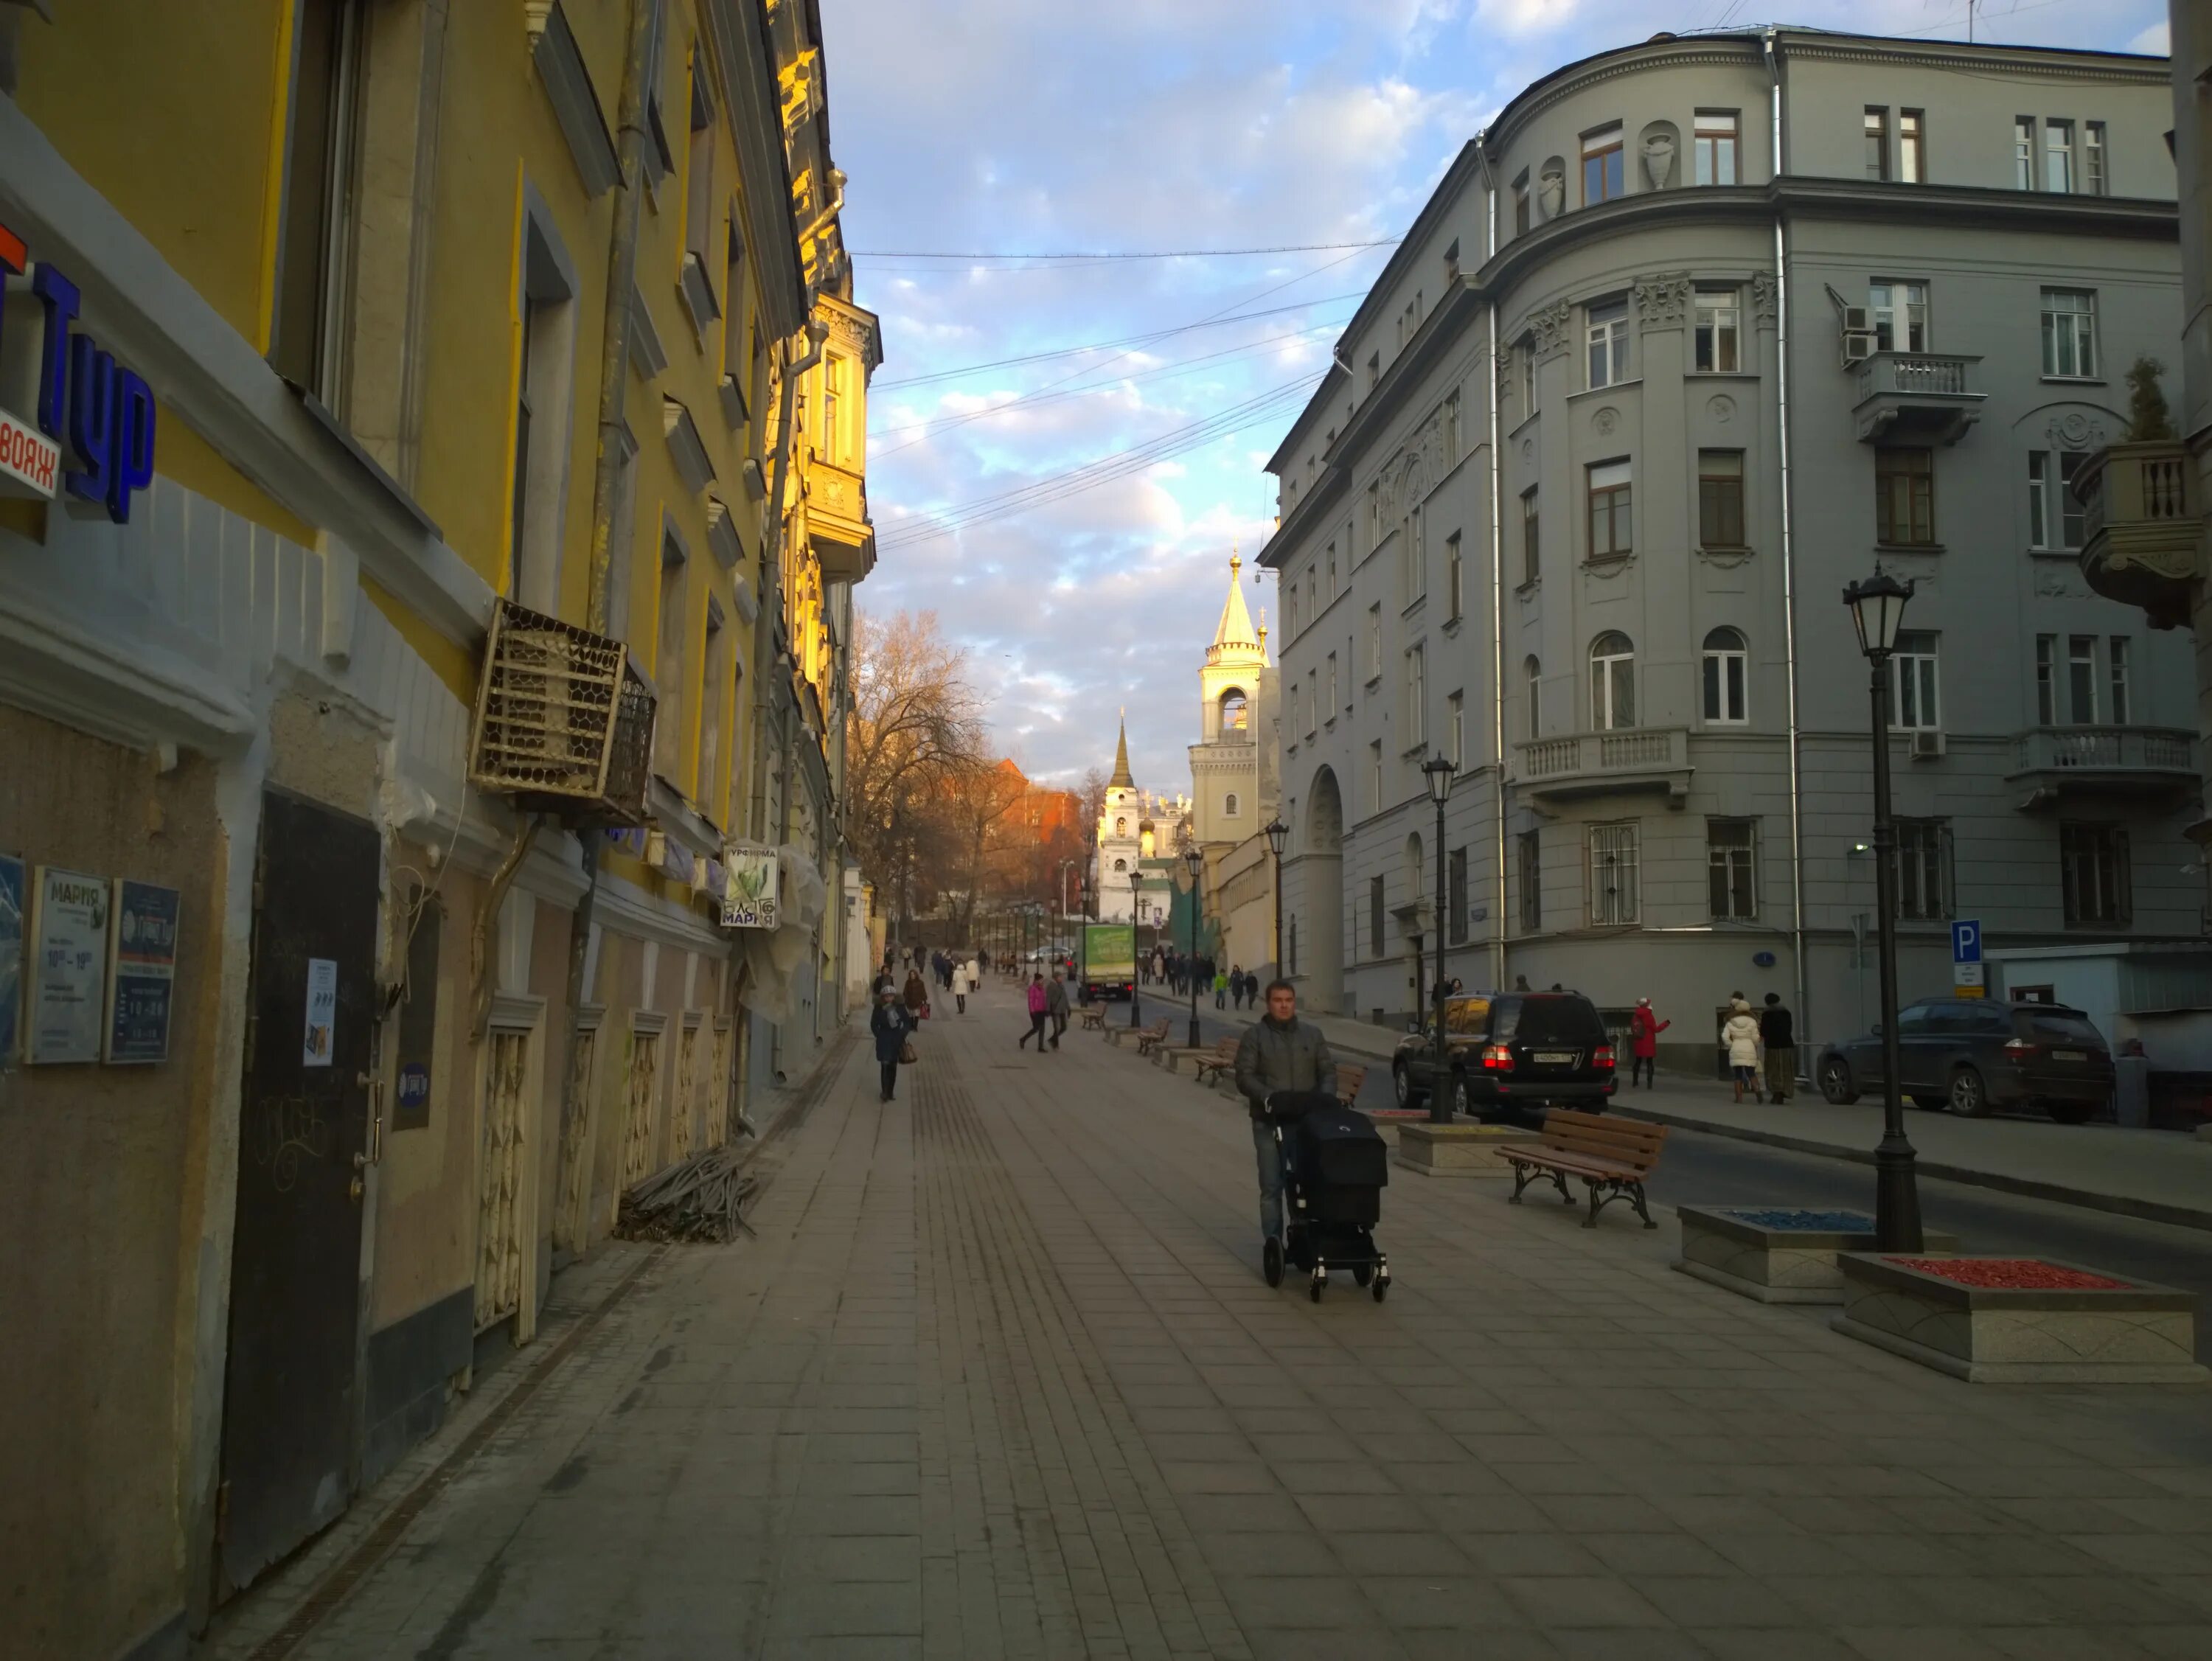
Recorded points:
(999,1377)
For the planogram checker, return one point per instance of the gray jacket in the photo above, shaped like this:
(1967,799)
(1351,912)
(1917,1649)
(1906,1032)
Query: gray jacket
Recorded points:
(1055,997)
(1271,1058)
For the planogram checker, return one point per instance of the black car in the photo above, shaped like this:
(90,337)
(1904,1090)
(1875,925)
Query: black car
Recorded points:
(1509,1052)
(1971,1054)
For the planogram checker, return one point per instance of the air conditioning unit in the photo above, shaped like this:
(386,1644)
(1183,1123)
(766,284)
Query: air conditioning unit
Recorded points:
(1927,746)
(1859,345)
(1858,320)
(563,720)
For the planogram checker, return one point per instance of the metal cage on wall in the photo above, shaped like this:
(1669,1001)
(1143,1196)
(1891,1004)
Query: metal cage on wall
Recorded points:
(564,721)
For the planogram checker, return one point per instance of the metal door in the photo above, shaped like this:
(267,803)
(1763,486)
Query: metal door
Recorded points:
(500,1176)
(288,1406)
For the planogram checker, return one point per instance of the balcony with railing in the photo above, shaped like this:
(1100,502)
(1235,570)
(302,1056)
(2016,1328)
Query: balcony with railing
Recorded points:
(1917,397)
(2103,761)
(1605,764)
(837,521)
(2143,527)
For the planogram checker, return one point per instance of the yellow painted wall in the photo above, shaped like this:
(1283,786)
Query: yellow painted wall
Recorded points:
(208,80)
(182,454)
(454,666)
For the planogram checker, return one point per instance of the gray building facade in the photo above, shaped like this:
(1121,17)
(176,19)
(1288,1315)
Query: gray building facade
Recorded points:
(1576,504)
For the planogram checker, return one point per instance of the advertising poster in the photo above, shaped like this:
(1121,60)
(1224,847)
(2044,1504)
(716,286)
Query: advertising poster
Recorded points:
(749,891)
(11,955)
(69,965)
(319,1044)
(142,972)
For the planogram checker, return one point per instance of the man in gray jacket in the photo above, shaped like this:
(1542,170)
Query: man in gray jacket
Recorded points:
(1055,1006)
(1279,1052)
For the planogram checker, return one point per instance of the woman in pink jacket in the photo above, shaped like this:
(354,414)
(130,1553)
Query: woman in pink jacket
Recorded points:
(1037,1006)
(1643,1030)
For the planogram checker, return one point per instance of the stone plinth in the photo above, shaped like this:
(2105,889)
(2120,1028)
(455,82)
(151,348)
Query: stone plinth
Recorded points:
(1460,1150)
(1778,1254)
(2016,1320)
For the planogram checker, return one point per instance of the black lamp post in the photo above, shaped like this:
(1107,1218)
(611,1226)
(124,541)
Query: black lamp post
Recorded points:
(1437,771)
(1193,859)
(1136,886)
(1083,940)
(1877,609)
(1277,834)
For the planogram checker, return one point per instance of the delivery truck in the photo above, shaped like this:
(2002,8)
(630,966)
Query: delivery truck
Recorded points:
(1109,961)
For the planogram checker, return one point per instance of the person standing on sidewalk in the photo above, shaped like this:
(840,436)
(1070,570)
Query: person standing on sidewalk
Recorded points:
(891,1023)
(965,980)
(1740,1037)
(1777,1032)
(917,994)
(1037,1008)
(1055,1006)
(1643,1030)
(1278,1052)
(1220,989)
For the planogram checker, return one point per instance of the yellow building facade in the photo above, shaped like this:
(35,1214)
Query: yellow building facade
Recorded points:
(343,340)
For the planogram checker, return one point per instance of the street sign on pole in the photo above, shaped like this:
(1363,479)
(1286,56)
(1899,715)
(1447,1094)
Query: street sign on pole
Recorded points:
(1968,977)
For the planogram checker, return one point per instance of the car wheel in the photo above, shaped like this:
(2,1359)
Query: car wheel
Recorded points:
(1970,1097)
(1929,1104)
(1836,1081)
(2071,1112)
(1402,1085)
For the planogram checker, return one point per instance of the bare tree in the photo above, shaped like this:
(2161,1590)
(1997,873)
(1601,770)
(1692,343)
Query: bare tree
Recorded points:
(916,723)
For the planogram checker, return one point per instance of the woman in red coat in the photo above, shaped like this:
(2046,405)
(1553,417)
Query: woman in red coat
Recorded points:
(1643,1030)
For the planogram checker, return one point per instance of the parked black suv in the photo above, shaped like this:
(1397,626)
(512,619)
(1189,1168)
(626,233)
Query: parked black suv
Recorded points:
(1971,1054)
(1510,1052)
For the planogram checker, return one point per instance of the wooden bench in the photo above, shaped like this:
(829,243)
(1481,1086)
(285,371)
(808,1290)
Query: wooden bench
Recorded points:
(1149,1038)
(1092,1015)
(1174,1056)
(1607,1155)
(1220,1060)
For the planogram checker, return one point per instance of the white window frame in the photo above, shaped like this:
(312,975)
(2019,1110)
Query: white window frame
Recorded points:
(2058,148)
(1616,895)
(1724,679)
(1417,693)
(1916,683)
(2023,152)
(2081,679)
(2069,334)
(1912,147)
(1454,578)
(1612,683)
(1605,338)
(1607,147)
(1716,138)
(1374,776)
(1732,857)
(2120,651)
(1374,643)
(2046,680)
(1456,730)
(1415,573)
(1889,297)
(2096,160)
(1716,333)
(2051,505)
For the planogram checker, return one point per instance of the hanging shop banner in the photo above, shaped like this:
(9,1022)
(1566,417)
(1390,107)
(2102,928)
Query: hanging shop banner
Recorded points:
(749,895)
(11,955)
(69,965)
(319,1044)
(142,972)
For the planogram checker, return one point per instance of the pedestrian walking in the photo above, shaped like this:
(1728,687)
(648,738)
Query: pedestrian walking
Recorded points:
(1220,990)
(891,1023)
(1777,1032)
(1739,1034)
(1055,1006)
(1643,1030)
(968,977)
(917,994)
(1278,1052)
(1038,1008)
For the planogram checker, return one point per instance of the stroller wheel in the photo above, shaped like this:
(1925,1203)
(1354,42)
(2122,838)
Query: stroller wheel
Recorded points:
(1362,1273)
(1320,1280)
(1271,1261)
(1382,1288)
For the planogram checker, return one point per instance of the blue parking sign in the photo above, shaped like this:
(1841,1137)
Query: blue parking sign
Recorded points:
(1966,941)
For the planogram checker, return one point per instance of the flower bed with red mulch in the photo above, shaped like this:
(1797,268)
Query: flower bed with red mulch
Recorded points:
(2011,1274)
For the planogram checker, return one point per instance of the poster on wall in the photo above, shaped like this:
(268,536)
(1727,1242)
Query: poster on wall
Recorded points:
(142,972)
(69,965)
(11,955)
(319,1043)
(749,888)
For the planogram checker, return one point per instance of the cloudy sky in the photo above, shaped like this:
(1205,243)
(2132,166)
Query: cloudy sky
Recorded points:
(1012,128)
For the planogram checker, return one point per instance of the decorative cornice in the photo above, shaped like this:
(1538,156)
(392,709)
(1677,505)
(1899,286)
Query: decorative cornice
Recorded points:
(1550,324)
(1765,292)
(1662,299)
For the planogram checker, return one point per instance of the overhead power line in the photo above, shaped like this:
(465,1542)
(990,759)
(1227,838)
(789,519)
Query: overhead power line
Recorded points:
(1150,253)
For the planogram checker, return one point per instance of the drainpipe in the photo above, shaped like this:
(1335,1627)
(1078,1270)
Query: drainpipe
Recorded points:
(1789,555)
(606,473)
(771,580)
(1497,582)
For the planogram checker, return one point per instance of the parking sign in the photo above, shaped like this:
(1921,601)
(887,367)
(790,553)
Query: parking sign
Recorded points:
(1967,977)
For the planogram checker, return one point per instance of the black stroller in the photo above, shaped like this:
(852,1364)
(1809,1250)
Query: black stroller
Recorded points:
(1335,1166)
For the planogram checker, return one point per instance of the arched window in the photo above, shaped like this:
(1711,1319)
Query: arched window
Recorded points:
(1726,657)
(1534,673)
(1229,805)
(1234,714)
(1612,682)
(1122,865)
(1121,827)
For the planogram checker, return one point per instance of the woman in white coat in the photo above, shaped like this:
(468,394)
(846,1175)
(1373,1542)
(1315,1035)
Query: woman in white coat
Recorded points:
(1739,1034)
(966,979)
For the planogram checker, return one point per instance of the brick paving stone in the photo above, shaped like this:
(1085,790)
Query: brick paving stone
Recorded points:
(997,1378)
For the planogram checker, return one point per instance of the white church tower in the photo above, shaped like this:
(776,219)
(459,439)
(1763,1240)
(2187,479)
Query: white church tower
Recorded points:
(1121,837)
(1232,769)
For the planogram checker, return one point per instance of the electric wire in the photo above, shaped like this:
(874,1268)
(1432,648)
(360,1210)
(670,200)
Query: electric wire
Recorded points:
(1112,253)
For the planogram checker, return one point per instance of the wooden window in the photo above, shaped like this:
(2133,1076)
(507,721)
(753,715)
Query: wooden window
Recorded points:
(1731,850)
(1611,504)
(1726,662)
(1720,499)
(1612,682)
(1912,147)
(1716,330)
(1877,141)
(1531,536)
(2094,874)
(1904,496)
(1603,177)
(1714,135)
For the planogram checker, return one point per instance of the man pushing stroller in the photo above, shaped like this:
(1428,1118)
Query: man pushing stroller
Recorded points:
(1279,1052)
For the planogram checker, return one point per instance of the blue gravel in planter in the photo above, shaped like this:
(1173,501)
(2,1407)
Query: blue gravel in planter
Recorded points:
(1835,1222)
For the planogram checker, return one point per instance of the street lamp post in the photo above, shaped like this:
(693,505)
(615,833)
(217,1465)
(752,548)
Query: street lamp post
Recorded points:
(1438,772)
(1083,940)
(1278,833)
(1136,882)
(1877,606)
(1193,859)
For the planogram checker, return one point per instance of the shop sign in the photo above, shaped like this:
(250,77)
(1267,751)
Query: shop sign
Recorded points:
(69,965)
(749,893)
(11,955)
(142,972)
(87,405)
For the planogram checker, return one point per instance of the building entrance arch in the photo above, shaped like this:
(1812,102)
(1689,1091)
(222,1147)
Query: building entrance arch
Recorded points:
(1320,897)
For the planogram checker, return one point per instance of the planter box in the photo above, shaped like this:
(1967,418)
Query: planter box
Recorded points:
(1778,1254)
(2019,1320)
(1459,1150)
